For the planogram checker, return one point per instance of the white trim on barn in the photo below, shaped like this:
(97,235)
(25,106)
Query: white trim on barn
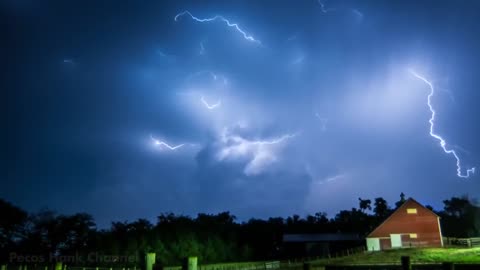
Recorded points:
(440,231)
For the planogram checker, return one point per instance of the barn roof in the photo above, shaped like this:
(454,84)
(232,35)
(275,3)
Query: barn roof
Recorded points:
(409,201)
(322,237)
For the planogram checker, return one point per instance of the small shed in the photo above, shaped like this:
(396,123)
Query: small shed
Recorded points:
(321,244)
(411,225)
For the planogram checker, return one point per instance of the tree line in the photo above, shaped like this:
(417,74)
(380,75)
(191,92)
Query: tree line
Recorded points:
(212,237)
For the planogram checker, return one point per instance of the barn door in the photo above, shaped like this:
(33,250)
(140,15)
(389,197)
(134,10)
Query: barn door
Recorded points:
(373,244)
(396,240)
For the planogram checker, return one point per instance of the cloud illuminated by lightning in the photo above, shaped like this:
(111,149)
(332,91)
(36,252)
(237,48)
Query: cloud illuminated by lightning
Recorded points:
(164,144)
(442,141)
(211,107)
(221,18)
(260,153)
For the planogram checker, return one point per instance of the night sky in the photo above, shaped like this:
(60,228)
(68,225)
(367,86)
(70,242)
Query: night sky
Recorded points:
(296,107)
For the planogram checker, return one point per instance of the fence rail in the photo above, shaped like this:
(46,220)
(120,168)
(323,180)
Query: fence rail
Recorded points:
(464,242)
(269,265)
(291,264)
(64,267)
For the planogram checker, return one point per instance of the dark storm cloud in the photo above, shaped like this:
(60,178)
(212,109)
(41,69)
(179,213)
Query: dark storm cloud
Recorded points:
(322,112)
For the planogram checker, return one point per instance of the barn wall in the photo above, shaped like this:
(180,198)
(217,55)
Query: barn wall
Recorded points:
(385,243)
(424,224)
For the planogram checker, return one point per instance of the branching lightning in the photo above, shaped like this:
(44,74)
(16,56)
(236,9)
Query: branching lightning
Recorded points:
(210,107)
(214,76)
(442,141)
(164,144)
(221,18)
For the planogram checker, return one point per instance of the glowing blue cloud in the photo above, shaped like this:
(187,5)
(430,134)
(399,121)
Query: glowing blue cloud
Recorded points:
(221,18)
(260,153)
(442,141)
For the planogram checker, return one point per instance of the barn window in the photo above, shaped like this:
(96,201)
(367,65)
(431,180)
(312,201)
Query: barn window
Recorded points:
(413,235)
(411,210)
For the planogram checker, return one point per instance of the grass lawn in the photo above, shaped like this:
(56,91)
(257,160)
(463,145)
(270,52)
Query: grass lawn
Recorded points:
(423,255)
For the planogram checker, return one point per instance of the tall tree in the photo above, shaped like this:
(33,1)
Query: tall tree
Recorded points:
(381,208)
(364,204)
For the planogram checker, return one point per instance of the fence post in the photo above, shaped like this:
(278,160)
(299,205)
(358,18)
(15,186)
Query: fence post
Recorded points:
(406,265)
(448,266)
(149,261)
(4,267)
(58,266)
(190,263)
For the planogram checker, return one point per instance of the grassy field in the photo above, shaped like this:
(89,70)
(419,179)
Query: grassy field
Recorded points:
(426,255)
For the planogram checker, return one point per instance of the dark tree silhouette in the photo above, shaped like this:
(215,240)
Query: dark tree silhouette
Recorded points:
(401,201)
(211,237)
(365,204)
(381,208)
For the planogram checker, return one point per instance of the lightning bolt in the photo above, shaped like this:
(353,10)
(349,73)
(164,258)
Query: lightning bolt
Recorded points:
(160,143)
(358,14)
(210,107)
(162,54)
(202,48)
(221,18)
(323,120)
(442,141)
(214,76)
(299,60)
(323,8)
(292,38)
(275,141)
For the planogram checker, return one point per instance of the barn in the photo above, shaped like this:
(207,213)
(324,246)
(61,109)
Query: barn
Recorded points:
(411,225)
